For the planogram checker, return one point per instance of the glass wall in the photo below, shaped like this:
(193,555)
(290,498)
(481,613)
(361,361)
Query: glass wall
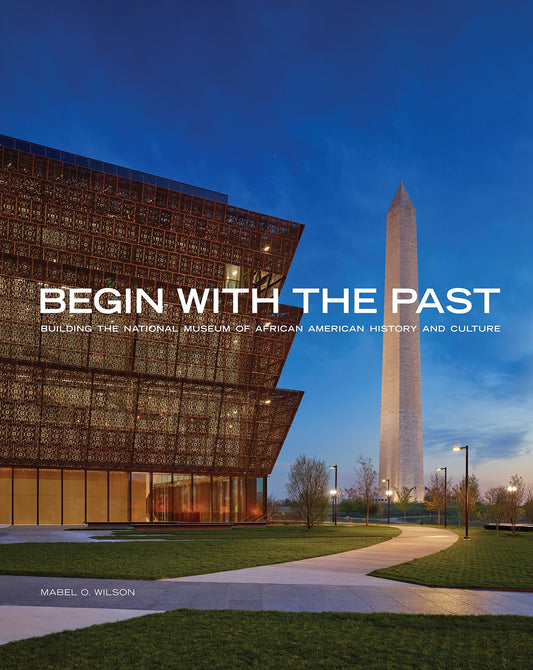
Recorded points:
(140,496)
(162,497)
(260,501)
(238,497)
(201,498)
(25,496)
(119,493)
(5,495)
(72,497)
(182,489)
(254,500)
(221,506)
(50,496)
(96,495)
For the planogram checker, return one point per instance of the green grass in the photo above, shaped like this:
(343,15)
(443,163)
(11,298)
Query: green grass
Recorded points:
(489,560)
(208,551)
(230,640)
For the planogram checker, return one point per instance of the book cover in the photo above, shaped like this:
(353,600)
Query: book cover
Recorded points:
(195,217)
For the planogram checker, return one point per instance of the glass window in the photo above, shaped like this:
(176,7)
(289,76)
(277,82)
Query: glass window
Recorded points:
(221,509)
(162,497)
(238,489)
(260,484)
(50,496)
(181,489)
(118,496)
(25,490)
(236,276)
(96,495)
(5,495)
(73,496)
(140,496)
(232,276)
(202,498)
(254,511)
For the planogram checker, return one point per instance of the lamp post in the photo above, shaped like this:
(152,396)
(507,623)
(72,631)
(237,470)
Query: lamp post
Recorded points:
(388,493)
(334,494)
(466,537)
(445,494)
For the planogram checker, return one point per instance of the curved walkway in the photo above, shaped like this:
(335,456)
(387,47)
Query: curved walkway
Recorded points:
(350,568)
(338,582)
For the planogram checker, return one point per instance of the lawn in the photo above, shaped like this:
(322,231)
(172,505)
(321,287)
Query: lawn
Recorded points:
(188,553)
(230,640)
(490,559)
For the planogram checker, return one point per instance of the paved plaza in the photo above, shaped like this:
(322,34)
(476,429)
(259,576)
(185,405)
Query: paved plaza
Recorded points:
(31,606)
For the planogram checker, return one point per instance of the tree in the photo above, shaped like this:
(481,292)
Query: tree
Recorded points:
(496,499)
(528,506)
(404,501)
(475,504)
(356,506)
(366,482)
(350,506)
(273,505)
(308,489)
(434,498)
(516,494)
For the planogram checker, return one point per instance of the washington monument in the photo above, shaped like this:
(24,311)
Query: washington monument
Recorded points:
(401,450)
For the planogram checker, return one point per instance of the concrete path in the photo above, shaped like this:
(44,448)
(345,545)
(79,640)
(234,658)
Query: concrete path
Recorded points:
(18,534)
(329,583)
(350,568)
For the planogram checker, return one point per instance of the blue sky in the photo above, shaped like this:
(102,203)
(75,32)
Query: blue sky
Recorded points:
(314,111)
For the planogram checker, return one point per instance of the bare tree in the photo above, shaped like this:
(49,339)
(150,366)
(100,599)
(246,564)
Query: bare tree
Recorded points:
(308,489)
(474,497)
(516,495)
(404,501)
(528,506)
(434,498)
(366,479)
(496,499)
(273,505)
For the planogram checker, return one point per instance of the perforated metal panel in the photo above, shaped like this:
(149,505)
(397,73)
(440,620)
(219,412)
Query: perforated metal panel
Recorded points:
(135,399)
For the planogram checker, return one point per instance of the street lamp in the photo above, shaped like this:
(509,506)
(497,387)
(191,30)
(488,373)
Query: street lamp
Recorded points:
(445,494)
(466,537)
(388,493)
(334,493)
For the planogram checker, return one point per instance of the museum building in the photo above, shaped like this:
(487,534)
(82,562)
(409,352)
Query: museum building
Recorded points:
(136,417)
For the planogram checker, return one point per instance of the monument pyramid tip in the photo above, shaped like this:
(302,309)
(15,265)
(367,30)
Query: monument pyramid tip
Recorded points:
(401,198)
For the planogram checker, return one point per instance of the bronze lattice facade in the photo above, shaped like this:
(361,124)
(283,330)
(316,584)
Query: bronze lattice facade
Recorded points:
(161,410)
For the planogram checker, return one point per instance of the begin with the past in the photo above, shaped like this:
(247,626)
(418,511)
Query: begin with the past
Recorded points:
(355,301)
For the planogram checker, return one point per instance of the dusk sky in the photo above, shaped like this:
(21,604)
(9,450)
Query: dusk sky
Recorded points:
(314,111)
